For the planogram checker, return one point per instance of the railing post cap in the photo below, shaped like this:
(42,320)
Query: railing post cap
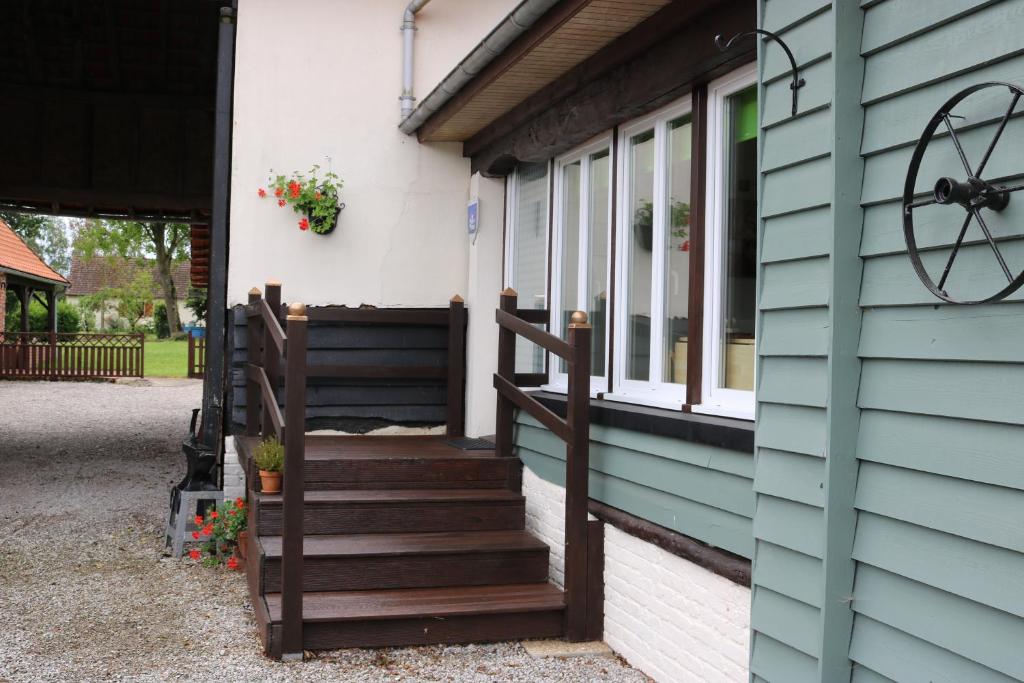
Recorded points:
(273,283)
(297,311)
(255,291)
(508,291)
(456,299)
(578,319)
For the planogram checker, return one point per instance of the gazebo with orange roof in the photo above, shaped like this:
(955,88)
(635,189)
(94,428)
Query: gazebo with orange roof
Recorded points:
(23,271)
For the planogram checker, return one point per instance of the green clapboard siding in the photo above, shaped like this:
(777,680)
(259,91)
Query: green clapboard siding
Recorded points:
(700,491)
(939,588)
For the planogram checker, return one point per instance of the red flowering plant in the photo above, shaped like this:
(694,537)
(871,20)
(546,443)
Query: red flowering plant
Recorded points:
(310,195)
(217,534)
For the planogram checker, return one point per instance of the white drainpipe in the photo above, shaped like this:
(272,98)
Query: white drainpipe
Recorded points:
(408,31)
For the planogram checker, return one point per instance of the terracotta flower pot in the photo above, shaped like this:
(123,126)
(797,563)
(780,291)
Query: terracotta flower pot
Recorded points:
(270,482)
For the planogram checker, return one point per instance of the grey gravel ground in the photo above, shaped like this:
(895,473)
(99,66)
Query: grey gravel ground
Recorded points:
(86,595)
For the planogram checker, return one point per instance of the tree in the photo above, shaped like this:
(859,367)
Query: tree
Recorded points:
(166,243)
(47,236)
(128,300)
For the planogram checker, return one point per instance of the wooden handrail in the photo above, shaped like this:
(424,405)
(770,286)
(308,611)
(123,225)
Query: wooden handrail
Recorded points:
(267,341)
(583,604)
(268,398)
(533,407)
(536,316)
(546,341)
(273,326)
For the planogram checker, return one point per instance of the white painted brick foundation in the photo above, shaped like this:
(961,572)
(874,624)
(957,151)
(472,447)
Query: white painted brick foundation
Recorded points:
(675,621)
(234,477)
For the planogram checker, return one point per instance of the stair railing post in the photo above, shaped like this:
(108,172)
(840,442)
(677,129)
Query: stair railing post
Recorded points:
(294,483)
(254,355)
(456,398)
(271,359)
(577,492)
(505,413)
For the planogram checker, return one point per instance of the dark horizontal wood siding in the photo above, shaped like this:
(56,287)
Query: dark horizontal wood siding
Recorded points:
(361,404)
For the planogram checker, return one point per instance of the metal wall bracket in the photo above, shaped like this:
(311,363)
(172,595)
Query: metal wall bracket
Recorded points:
(797,82)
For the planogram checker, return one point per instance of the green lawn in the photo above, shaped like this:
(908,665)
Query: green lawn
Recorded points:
(166,358)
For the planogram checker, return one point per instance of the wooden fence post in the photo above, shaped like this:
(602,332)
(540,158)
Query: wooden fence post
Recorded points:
(254,339)
(505,414)
(294,483)
(271,359)
(576,485)
(456,400)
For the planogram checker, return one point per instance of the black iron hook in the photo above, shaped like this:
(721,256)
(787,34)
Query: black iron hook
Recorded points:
(797,81)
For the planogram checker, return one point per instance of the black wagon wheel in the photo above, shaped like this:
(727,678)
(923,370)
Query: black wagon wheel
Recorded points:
(974,195)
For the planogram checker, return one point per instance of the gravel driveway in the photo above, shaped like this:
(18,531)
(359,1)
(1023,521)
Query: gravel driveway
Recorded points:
(86,595)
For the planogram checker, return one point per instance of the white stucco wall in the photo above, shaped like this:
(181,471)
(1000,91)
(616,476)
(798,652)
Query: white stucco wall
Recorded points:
(317,82)
(483,290)
(675,621)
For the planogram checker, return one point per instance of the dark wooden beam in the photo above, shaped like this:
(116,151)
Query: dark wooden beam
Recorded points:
(721,562)
(544,27)
(24,298)
(667,21)
(660,74)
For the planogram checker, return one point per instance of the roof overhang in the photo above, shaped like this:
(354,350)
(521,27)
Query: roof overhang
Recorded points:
(500,73)
(28,277)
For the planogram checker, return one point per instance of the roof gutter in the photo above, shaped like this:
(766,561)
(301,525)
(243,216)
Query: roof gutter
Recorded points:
(514,25)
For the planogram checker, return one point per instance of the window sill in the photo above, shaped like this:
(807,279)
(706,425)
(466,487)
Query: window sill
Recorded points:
(720,432)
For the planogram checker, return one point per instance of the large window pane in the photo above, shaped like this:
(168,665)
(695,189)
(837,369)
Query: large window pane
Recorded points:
(597,261)
(529,252)
(639,267)
(677,243)
(570,246)
(740,242)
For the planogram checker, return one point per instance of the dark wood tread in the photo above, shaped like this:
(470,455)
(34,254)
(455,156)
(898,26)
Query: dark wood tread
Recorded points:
(392,496)
(434,543)
(414,603)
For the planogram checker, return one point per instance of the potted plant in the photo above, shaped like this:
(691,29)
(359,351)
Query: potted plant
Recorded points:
(310,195)
(643,224)
(269,458)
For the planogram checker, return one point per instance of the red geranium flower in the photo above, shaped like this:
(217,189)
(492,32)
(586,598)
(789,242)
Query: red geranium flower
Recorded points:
(261,192)
(239,502)
(207,530)
(214,515)
(685,246)
(194,554)
(294,188)
(199,520)
(232,563)
(304,224)
(195,535)
(280,202)
(278,192)
(232,512)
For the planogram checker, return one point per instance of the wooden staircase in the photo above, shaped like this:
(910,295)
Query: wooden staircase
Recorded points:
(408,540)
(389,562)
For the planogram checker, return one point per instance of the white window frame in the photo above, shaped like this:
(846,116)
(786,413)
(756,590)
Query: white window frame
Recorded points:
(716,400)
(559,381)
(658,394)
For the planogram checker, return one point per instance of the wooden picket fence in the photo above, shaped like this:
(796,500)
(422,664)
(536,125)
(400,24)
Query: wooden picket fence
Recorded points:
(69,356)
(196,356)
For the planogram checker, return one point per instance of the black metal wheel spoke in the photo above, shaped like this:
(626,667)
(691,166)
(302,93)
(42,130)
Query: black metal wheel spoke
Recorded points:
(1015,188)
(956,249)
(999,132)
(956,143)
(992,243)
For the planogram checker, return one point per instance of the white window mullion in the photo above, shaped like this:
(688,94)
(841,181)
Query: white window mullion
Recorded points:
(657,255)
(583,265)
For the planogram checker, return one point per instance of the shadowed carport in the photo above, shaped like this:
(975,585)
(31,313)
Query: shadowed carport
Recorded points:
(121,109)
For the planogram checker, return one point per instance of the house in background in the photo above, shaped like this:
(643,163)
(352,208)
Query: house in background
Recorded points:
(25,274)
(90,276)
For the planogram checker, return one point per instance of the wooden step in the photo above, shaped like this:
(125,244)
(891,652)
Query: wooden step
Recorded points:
(422,616)
(398,511)
(372,462)
(381,561)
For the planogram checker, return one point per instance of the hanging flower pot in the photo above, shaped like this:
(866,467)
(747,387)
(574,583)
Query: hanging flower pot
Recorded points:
(315,198)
